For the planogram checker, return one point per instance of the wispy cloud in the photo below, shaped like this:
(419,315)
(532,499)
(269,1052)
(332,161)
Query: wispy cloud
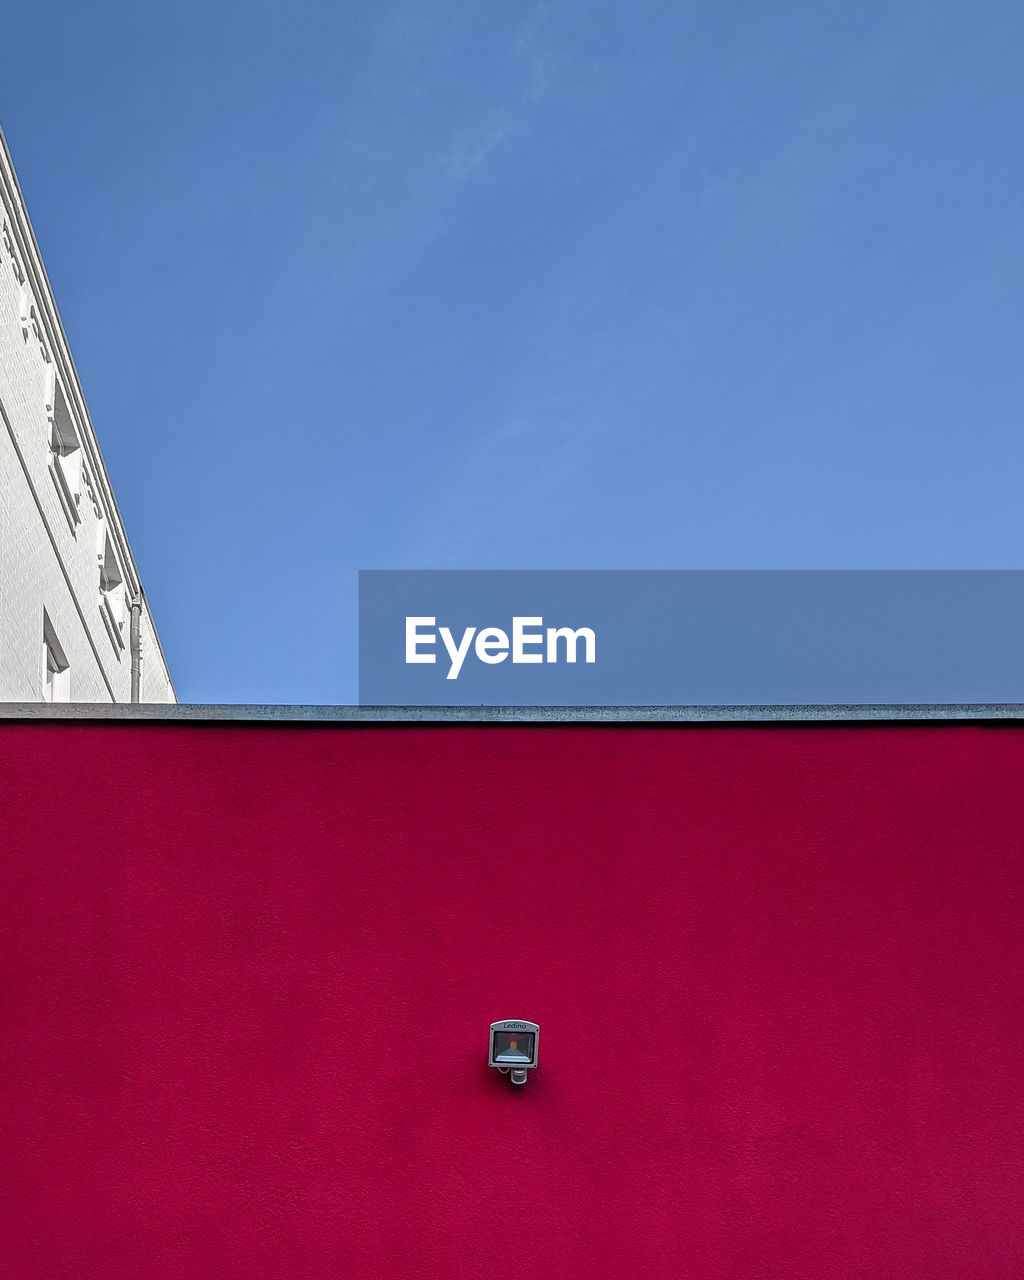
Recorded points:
(468,153)
(527,80)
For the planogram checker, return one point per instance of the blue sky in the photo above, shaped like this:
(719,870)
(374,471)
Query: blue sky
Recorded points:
(605,285)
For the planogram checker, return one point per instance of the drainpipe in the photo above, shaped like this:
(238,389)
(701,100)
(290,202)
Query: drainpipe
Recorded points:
(135,642)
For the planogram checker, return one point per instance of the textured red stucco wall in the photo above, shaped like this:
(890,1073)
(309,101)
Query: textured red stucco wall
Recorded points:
(247,974)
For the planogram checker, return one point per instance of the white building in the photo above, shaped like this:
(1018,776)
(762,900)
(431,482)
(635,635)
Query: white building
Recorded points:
(74,622)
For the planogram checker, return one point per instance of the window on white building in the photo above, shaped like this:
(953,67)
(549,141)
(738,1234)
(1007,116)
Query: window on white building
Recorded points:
(112,592)
(56,668)
(65,451)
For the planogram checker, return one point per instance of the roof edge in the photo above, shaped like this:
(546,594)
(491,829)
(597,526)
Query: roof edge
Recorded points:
(698,714)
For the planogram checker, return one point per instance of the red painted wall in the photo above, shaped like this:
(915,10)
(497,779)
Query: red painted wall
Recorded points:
(248,974)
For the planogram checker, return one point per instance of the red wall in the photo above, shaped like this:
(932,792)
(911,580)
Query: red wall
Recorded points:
(248,974)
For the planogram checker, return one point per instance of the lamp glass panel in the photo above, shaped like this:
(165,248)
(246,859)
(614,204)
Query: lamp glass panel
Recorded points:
(514,1048)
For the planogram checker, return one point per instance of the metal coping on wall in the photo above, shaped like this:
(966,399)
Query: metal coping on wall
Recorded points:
(216,713)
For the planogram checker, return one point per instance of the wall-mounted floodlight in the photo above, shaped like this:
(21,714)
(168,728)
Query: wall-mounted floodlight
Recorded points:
(513,1048)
